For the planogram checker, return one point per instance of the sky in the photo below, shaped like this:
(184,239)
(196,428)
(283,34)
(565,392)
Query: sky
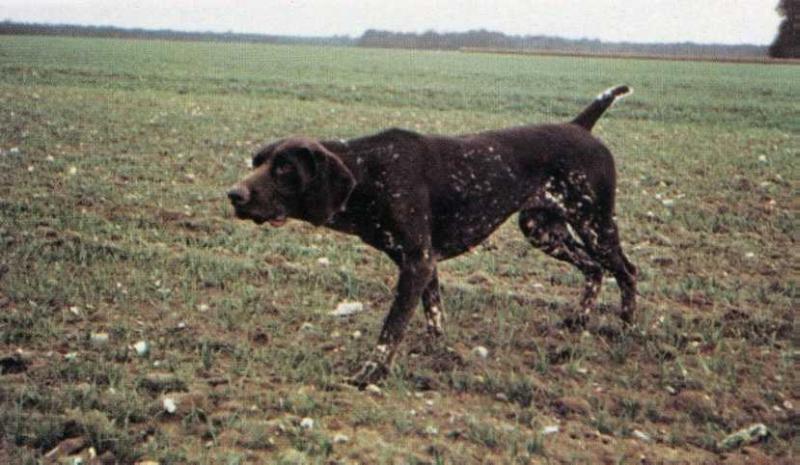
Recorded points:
(702,21)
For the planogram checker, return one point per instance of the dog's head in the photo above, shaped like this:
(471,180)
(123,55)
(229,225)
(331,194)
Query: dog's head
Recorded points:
(293,178)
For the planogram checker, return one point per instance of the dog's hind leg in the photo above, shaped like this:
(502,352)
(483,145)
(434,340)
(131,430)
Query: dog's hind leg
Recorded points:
(546,229)
(432,304)
(601,237)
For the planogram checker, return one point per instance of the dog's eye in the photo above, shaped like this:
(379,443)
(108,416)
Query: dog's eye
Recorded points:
(283,170)
(285,175)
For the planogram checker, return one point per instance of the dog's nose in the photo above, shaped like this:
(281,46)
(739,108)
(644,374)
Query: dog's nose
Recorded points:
(239,195)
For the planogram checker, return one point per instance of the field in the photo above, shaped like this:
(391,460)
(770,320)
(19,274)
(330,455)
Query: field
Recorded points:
(114,159)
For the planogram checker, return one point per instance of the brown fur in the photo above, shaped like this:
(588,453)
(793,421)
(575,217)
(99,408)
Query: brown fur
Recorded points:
(422,199)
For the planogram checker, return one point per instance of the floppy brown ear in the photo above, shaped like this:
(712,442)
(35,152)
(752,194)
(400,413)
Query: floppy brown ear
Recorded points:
(327,193)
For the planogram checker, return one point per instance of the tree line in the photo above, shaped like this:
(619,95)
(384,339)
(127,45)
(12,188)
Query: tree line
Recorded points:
(786,43)
(68,30)
(497,40)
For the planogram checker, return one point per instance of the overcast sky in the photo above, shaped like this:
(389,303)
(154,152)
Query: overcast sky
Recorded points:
(703,21)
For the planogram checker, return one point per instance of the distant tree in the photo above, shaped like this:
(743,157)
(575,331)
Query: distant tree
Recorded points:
(787,42)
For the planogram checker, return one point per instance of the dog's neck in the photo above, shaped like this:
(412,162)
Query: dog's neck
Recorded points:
(341,221)
(345,153)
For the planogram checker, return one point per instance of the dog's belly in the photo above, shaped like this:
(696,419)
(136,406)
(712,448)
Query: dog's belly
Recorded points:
(458,232)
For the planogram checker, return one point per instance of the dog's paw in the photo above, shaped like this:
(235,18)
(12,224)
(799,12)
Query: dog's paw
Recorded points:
(371,373)
(626,315)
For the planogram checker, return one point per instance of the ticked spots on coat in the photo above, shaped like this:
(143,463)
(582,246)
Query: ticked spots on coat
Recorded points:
(427,198)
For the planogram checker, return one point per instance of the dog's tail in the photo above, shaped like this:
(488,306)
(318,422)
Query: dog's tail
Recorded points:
(595,110)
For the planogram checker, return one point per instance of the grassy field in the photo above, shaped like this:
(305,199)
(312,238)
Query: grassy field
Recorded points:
(114,229)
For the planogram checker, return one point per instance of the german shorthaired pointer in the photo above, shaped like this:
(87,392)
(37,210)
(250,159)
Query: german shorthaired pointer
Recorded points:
(422,199)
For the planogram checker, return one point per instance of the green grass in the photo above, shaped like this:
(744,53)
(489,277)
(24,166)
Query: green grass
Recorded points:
(115,157)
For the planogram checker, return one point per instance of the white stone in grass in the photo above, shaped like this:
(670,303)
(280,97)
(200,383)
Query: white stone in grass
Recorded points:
(142,348)
(347,308)
(169,405)
(99,339)
(642,435)
(323,261)
(307,423)
(762,158)
(553,429)
(356,335)
(481,351)
(668,203)
(744,436)
(13,151)
(72,171)
(749,255)
(374,390)
(340,438)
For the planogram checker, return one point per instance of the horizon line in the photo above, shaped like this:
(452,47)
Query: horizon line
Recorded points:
(355,37)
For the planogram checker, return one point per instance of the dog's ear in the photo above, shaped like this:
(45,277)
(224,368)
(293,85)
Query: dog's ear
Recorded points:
(329,185)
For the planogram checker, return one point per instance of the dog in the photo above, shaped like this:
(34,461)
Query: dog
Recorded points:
(422,199)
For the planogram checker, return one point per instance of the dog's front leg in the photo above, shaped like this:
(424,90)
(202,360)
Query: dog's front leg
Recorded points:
(416,272)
